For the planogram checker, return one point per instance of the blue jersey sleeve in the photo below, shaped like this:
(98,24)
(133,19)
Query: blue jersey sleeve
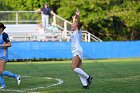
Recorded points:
(6,37)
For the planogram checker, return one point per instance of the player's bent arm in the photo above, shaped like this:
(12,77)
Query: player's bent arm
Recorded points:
(5,45)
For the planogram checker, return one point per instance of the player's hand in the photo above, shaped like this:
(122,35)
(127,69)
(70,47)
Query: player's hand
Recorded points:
(77,12)
(74,17)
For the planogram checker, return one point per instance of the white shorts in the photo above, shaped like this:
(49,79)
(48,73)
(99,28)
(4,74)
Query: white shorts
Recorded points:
(79,53)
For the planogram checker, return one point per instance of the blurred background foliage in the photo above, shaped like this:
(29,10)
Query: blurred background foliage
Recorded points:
(108,19)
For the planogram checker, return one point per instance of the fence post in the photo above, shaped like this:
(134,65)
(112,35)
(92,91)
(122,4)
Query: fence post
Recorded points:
(16,17)
(85,37)
(54,19)
(88,37)
(65,28)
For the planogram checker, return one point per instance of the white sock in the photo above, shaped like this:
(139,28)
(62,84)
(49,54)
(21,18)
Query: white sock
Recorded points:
(81,72)
(83,80)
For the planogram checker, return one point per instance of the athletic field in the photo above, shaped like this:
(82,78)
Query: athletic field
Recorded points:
(110,76)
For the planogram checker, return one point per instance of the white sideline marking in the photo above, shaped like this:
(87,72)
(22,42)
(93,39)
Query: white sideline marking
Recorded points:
(31,89)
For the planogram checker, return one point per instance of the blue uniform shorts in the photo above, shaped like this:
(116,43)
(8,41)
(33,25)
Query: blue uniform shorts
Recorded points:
(4,58)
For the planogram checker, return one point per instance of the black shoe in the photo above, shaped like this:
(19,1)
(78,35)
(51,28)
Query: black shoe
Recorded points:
(89,80)
(85,87)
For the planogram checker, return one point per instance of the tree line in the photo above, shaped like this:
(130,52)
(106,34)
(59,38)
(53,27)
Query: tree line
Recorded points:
(107,19)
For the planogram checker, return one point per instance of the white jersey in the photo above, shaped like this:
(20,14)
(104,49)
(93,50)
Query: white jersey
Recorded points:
(76,48)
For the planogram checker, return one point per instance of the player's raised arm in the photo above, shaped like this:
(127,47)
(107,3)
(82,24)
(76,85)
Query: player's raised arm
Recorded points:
(76,17)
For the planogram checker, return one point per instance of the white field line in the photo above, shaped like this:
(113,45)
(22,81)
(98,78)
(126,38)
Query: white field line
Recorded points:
(59,81)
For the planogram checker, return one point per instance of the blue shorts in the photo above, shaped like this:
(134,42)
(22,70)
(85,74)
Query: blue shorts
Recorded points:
(4,58)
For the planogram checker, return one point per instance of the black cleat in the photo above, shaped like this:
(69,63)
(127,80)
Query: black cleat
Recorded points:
(89,80)
(85,87)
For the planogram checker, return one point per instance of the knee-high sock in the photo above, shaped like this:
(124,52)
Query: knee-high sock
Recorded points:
(83,80)
(9,74)
(81,72)
(2,81)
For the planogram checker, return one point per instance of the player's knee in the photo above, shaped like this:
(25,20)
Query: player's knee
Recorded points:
(73,67)
(1,71)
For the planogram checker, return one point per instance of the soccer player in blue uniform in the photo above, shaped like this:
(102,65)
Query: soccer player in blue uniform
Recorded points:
(77,51)
(4,44)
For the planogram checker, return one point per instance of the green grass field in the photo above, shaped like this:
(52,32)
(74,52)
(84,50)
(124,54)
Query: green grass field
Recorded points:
(110,76)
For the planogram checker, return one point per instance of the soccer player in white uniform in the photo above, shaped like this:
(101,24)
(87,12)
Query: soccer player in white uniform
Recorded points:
(4,44)
(77,51)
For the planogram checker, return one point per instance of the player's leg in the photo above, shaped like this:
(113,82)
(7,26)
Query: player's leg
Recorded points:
(7,73)
(84,81)
(89,80)
(76,66)
(76,63)
(2,82)
(2,66)
(10,74)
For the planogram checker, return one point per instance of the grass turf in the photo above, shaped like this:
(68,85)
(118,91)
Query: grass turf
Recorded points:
(110,76)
